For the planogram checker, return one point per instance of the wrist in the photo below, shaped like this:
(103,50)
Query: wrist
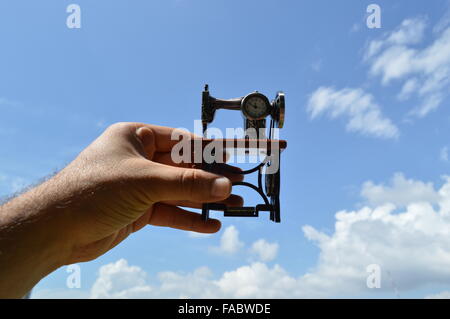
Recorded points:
(31,245)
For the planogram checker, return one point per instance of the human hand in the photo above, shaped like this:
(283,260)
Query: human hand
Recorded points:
(125,180)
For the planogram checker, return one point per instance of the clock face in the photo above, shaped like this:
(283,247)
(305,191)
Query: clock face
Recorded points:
(255,106)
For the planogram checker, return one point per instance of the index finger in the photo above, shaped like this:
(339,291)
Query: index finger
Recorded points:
(164,137)
(175,217)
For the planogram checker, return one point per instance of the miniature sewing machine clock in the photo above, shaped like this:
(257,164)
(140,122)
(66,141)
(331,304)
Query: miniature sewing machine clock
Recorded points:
(255,108)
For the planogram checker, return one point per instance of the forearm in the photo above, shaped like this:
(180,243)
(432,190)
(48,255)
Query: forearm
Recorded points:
(30,245)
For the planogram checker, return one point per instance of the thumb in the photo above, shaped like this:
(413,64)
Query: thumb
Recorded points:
(176,183)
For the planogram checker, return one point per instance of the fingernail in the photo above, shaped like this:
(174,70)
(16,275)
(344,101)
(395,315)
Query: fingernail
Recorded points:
(221,187)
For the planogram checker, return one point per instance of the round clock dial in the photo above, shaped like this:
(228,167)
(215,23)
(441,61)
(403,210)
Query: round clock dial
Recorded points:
(255,106)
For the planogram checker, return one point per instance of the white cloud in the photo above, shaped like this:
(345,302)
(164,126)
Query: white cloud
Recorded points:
(410,31)
(256,280)
(414,246)
(422,72)
(363,114)
(425,72)
(401,192)
(198,284)
(119,280)
(259,281)
(264,250)
(229,242)
(441,295)
(411,245)
(408,89)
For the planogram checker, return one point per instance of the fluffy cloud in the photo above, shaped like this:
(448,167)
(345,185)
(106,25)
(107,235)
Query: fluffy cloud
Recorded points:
(229,242)
(197,284)
(412,246)
(363,114)
(264,250)
(119,280)
(256,280)
(411,31)
(405,230)
(423,72)
(401,192)
(259,281)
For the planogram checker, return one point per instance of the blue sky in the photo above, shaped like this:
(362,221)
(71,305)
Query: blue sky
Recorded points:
(367,127)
